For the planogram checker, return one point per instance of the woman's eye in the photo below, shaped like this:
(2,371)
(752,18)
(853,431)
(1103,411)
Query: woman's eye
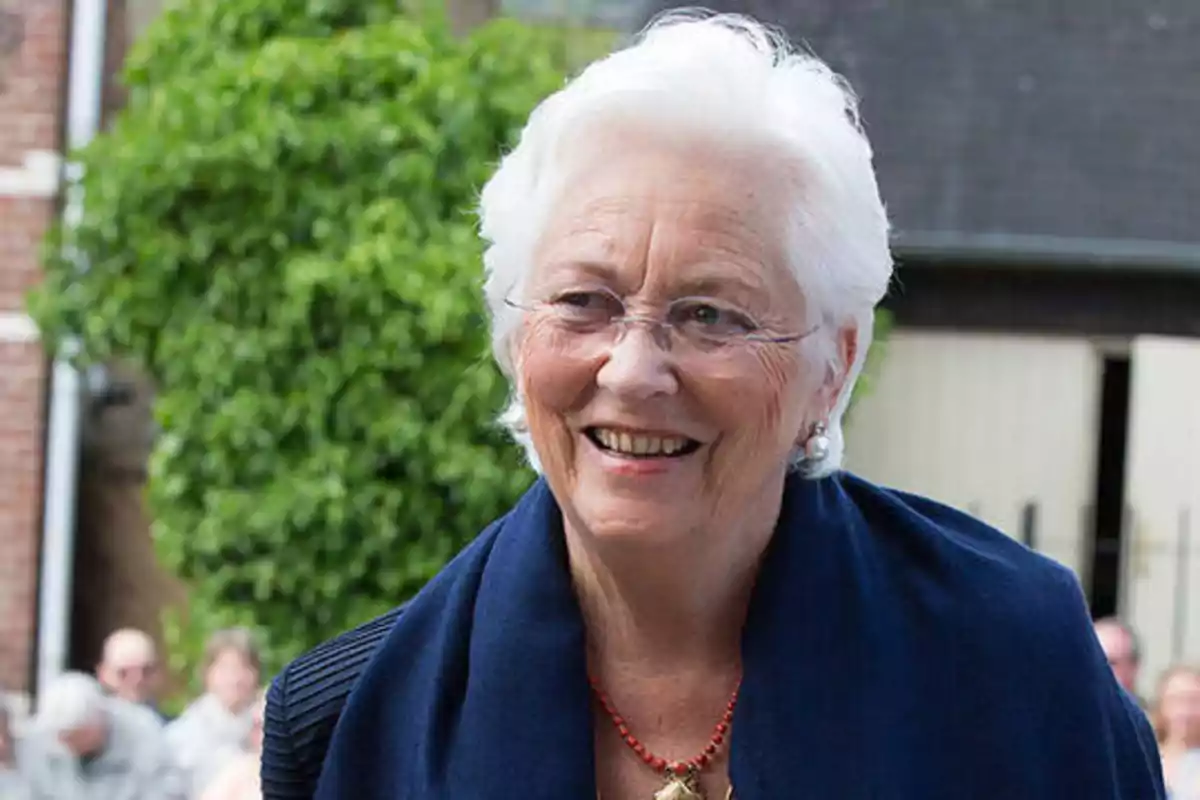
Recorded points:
(715,318)
(705,314)
(588,303)
(580,299)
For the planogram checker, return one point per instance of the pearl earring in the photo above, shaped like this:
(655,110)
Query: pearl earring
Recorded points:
(816,447)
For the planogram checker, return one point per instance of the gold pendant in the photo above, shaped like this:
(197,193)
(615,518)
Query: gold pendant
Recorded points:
(680,787)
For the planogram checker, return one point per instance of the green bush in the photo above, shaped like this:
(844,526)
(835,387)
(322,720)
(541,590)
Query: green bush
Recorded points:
(279,230)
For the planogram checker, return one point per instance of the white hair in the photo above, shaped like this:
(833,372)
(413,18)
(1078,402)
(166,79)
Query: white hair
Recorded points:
(72,700)
(735,82)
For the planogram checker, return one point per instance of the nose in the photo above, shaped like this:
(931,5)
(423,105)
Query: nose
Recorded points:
(638,366)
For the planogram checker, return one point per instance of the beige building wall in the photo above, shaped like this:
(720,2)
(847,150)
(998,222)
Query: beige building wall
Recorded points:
(988,423)
(1161,579)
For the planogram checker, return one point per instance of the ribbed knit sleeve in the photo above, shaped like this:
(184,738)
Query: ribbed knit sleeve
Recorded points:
(303,706)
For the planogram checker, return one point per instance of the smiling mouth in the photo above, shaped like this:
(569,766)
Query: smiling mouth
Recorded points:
(633,445)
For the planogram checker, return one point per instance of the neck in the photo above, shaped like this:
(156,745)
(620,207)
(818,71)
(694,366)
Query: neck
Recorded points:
(667,608)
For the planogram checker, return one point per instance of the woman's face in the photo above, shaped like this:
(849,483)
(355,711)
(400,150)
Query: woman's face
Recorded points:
(1180,707)
(232,680)
(653,223)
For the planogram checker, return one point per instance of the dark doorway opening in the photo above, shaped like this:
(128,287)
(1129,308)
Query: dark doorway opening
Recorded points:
(1108,518)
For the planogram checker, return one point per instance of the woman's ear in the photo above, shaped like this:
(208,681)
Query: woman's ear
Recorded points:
(839,370)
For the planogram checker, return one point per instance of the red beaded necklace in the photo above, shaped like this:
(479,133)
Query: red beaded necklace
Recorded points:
(683,777)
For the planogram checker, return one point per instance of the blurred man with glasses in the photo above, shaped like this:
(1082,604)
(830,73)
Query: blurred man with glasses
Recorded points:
(129,668)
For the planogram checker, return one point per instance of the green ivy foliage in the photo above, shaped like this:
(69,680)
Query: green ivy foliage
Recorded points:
(279,229)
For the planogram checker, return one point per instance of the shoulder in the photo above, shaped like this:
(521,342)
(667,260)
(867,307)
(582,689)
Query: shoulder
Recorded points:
(994,567)
(189,714)
(1020,612)
(136,716)
(138,727)
(309,694)
(324,675)
(981,585)
(179,730)
(305,701)
(138,736)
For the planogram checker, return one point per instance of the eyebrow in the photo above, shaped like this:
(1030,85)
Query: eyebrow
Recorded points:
(596,269)
(720,284)
(708,282)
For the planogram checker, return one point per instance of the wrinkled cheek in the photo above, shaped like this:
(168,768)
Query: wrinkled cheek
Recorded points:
(788,391)
(552,379)
(554,385)
(762,406)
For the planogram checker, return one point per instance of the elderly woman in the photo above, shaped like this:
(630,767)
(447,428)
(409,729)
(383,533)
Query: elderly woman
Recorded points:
(684,254)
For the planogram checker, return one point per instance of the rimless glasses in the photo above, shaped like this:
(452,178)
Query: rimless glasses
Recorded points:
(704,324)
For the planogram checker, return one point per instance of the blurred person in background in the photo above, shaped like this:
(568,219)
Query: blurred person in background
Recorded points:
(85,745)
(12,782)
(239,780)
(1123,651)
(129,668)
(1176,716)
(214,730)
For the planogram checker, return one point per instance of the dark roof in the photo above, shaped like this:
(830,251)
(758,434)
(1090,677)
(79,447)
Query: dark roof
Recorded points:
(619,15)
(1067,126)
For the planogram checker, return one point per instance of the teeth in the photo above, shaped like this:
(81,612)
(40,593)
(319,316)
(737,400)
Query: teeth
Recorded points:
(639,445)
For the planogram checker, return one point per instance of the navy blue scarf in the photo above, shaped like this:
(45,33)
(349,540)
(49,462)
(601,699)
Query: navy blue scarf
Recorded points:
(894,648)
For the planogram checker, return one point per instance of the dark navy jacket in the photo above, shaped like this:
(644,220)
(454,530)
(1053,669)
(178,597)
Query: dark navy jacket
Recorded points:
(894,648)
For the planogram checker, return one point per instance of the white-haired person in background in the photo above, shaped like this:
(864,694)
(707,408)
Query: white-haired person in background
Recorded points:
(86,745)
(214,730)
(683,256)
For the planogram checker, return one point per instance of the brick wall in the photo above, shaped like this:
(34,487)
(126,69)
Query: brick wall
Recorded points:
(33,37)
